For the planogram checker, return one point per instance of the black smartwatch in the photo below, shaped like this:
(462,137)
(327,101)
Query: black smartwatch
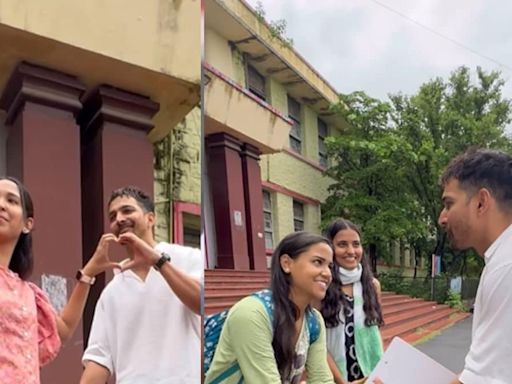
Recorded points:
(164,258)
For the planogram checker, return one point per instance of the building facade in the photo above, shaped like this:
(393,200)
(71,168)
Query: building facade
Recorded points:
(267,113)
(88,90)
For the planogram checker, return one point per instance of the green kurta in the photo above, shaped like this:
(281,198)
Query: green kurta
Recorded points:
(246,339)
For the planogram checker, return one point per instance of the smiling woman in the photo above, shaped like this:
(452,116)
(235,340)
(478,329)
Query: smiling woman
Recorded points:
(30,329)
(351,308)
(273,335)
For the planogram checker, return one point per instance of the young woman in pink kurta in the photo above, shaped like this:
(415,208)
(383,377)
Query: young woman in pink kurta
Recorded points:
(30,330)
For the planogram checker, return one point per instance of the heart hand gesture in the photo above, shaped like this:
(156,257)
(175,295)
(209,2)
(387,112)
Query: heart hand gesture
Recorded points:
(143,253)
(100,261)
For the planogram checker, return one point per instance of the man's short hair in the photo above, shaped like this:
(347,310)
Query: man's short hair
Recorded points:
(483,168)
(142,198)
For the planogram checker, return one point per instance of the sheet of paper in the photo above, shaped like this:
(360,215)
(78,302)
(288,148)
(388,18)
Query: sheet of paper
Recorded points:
(404,364)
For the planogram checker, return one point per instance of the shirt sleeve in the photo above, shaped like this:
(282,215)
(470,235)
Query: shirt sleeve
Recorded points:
(488,359)
(316,363)
(47,333)
(187,259)
(98,347)
(250,334)
(196,264)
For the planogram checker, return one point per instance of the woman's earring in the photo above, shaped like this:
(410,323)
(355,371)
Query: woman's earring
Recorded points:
(25,231)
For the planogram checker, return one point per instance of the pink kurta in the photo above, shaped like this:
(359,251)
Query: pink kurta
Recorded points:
(28,330)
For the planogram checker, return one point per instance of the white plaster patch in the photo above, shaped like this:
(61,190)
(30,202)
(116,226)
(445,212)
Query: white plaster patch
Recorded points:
(56,289)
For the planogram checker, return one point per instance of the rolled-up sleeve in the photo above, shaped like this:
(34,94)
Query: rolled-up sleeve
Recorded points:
(98,348)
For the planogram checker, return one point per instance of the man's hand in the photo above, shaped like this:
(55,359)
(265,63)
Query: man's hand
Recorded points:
(100,261)
(143,253)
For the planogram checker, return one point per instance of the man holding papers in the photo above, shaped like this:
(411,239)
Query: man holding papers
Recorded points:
(477,214)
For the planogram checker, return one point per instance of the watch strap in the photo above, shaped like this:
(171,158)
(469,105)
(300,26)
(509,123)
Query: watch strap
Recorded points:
(80,276)
(164,258)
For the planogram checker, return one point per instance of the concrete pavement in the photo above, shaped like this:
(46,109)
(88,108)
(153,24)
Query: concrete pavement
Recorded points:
(450,347)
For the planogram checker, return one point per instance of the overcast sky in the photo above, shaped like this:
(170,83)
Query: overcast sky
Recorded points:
(373,45)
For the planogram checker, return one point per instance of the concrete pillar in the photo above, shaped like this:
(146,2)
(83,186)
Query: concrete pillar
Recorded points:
(115,153)
(43,151)
(227,193)
(254,207)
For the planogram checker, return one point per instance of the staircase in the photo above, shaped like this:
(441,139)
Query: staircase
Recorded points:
(411,319)
(224,287)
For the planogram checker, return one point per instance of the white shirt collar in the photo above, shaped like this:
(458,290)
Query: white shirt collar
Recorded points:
(496,244)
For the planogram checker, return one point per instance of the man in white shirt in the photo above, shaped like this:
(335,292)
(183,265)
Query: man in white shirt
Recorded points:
(146,326)
(477,214)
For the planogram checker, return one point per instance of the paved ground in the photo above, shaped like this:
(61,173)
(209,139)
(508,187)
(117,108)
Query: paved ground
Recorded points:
(450,347)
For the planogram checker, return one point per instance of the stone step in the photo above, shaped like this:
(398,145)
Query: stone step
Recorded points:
(406,328)
(412,314)
(399,308)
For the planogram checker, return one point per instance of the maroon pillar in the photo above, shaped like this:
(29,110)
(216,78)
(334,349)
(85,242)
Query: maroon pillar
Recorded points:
(43,151)
(115,153)
(226,184)
(254,207)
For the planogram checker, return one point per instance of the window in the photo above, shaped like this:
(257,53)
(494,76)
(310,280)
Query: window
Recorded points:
(295,131)
(256,82)
(298,216)
(267,217)
(322,150)
(191,230)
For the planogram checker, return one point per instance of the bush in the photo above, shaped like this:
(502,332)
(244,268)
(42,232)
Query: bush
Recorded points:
(420,287)
(454,300)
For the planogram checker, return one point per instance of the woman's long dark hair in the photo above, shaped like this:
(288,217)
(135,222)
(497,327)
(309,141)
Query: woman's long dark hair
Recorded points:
(285,311)
(335,300)
(22,261)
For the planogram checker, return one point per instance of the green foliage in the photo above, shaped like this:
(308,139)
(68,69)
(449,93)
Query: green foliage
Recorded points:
(393,281)
(277,28)
(387,164)
(368,186)
(454,300)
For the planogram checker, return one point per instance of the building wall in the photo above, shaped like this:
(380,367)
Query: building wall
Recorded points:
(277,95)
(310,134)
(157,30)
(299,175)
(295,174)
(186,151)
(177,171)
(282,216)
(218,53)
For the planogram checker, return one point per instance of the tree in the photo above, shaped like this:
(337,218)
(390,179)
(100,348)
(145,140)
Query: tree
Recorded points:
(442,120)
(387,164)
(368,187)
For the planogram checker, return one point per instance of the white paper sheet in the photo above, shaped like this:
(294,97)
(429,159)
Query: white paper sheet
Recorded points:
(404,364)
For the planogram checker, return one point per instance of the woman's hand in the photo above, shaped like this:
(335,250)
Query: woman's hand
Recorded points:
(100,261)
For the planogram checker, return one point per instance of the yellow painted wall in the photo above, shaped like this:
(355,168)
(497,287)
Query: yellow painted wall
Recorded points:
(161,35)
(294,174)
(278,96)
(218,53)
(239,67)
(250,19)
(309,134)
(312,218)
(282,216)
(186,150)
(177,171)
